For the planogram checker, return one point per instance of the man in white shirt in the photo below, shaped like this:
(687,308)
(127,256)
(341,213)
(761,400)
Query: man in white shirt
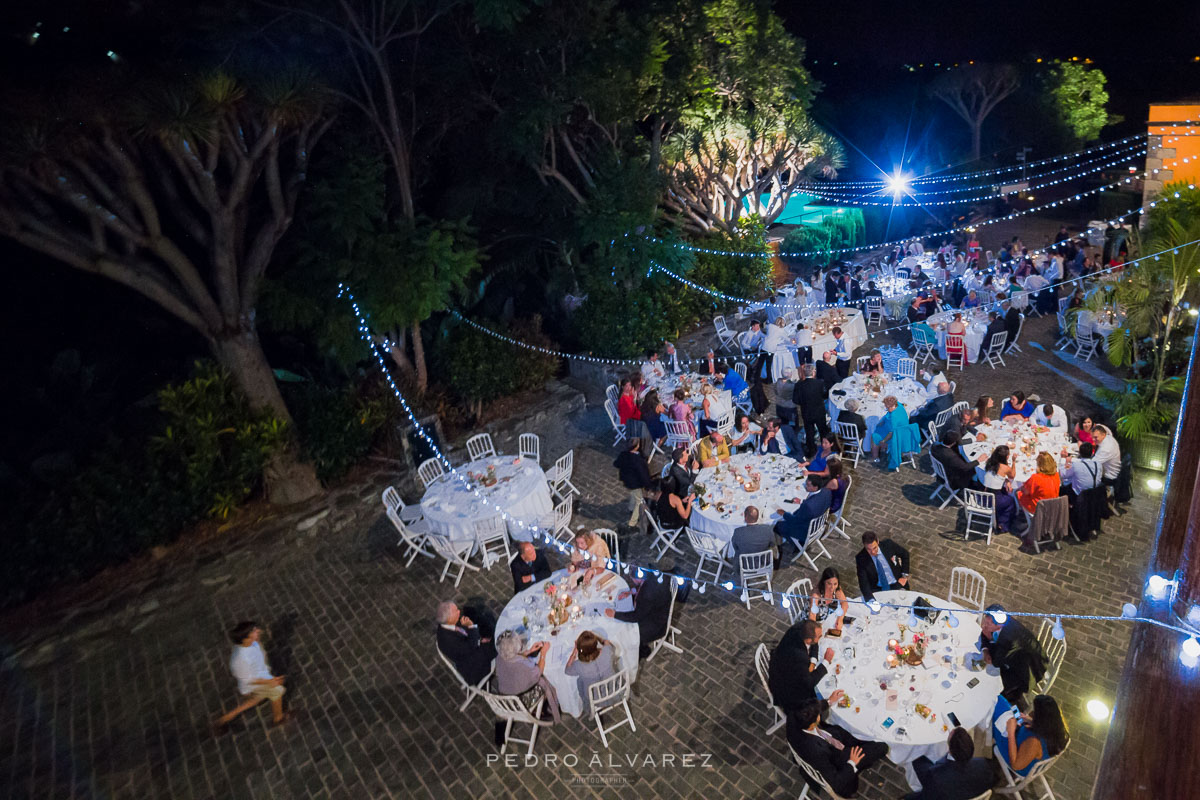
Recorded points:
(248,663)
(753,338)
(671,360)
(1049,415)
(932,382)
(651,368)
(1053,270)
(843,350)
(1108,454)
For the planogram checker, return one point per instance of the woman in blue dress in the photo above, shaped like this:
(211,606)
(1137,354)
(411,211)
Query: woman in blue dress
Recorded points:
(896,432)
(1031,738)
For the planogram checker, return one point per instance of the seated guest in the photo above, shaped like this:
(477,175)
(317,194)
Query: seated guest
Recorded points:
(828,598)
(896,432)
(793,525)
(683,472)
(932,382)
(1083,431)
(837,484)
(796,667)
(957,327)
(1085,492)
(1010,647)
(517,672)
(652,411)
(1038,736)
(672,510)
(651,368)
(983,410)
(714,406)
(1108,454)
(1012,323)
(682,412)
(753,537)
(530,565)
(592,660)
(1016,408)
(1041,484)
(1050,416)
(996,476)
(639,384)
(712,450)
(832,751)
(971,300)
(753,338)
(872,291)
(627,406)
(671,360)
(590,553)
(785,406)
(959,471)
(742,440)
(830,447)
(709,365)
(928,412)
(731,381)
(460,640)
(880,566)
(651,605)
(827,370)
(874,365)
(996,325)
(849,415)
(1076,300)
(772,440)
(958,776)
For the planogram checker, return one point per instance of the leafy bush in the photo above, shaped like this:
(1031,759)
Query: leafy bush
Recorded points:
(480,368)
(338,425)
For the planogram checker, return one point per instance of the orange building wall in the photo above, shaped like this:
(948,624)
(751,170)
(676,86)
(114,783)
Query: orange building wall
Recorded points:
(1174,146)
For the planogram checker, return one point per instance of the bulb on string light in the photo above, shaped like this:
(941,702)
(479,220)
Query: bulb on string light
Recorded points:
(1057,630)
(639,573)
(952,620)
(1129,611)
(874,605)
(745,596)
(785,602)
(1156,587)
(702,587)
(1189,652)
(999,617)
(728,586)
(679,580)
(660,577)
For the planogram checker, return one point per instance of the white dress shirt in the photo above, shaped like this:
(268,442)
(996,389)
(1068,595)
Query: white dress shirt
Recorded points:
(775,339)
(931,389)
(752,340)
(1108,455)
(651,369)
(1057,418)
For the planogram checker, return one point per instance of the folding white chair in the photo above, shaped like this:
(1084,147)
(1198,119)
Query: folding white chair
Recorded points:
(929,436)
(967,588)
(510,709)
(725,336)
(1013,347)
(456,555)
(959,407)
(725,423)
(816,532)
(430,470)
(472,691)
(906,368)
(664,538)
(412,539)
(995,349)
(1085,343)
(861,362)
(708,548)
(924,344)
(1064,340)
(762,665)
(979,506)
(679,434)
(561,524)
(491,536)
(953,387)
(1038,544)
(1018,784)
(836,523)
(615,418)
(956,351)
(815,775)
(1056,651)
(608,696)
(798,595)
(851,444)
(740,369)
(1063,303)
(480,446)
(667,640)
(755,570)
(875,310)
(612,540)
(392,501)
(613,393)
(530,446)
(559,476)
(943,485)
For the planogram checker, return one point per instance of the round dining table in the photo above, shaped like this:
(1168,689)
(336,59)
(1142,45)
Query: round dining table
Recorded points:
(452,507)
(720,509)
(1025,440)
(907,706)
(528,613)
(976,320)
(869,392)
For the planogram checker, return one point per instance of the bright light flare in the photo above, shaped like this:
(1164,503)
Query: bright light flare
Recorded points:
(897,184)
(1097,709)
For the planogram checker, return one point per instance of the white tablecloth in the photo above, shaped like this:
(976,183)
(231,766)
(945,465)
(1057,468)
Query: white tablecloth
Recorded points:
(451,508)
(1100,325)
(938,684)
(782,480)
(976,322)
(1016,435)
(854,329)
(907,391)
(527,613)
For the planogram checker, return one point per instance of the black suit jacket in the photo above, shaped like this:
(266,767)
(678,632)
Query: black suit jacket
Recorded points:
(1018,656)
(651,605)
(947,779)
(789,678)
(854,419)
(539,569)
(828,375)
(809,396)
(1012,322)
(868,573)
(928,412)
(683,480)
(995,326)
(707,367)
(959,471)
(833,764)
(470,657)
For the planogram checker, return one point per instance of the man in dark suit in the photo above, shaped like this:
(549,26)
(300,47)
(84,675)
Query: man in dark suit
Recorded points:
(709,365)
(752,537)
(1010,647)
(880,566)
(683,470)
(958,776)
(651,606)
(872,291)
(928,412)
(1012,323)
(461,641)
(827,370)
(793,527)
(529,567)
(830,749)
(851,289)
(833,288)
(850,416)
(796,667)
(996,324)
(959,471)
(809,397)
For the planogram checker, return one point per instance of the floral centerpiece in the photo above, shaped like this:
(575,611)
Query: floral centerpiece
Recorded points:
(560,603)
(911,654)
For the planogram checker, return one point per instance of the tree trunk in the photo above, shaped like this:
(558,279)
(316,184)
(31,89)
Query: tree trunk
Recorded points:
(419,357)
(289,480)
(976,139)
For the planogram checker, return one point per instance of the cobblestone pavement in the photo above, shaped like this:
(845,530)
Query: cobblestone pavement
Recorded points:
(115,703)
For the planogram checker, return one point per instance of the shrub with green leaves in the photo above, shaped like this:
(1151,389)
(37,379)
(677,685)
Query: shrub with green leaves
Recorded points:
(479,368)
(338,425)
